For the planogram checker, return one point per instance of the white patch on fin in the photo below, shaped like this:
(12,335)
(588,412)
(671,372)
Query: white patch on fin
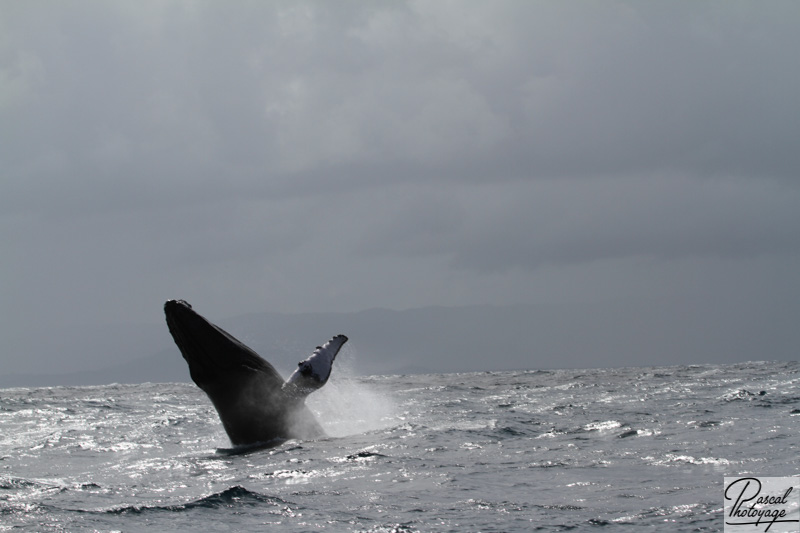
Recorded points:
(314,372)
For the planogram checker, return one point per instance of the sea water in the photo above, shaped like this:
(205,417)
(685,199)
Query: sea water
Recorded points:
(642,449)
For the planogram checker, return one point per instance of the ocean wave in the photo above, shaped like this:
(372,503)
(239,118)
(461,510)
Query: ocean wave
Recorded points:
(15,483)
(236,496)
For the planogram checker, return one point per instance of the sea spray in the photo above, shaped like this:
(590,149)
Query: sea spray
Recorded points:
(347,405)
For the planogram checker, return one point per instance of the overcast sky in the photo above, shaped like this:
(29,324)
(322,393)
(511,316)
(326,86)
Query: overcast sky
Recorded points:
(338,156)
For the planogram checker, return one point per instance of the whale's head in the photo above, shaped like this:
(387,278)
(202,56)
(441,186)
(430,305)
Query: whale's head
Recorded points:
(192,332)
(209,350)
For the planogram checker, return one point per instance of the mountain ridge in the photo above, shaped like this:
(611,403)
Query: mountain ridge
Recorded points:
(435,339)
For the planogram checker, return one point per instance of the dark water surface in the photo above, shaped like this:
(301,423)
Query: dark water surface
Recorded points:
(642,449)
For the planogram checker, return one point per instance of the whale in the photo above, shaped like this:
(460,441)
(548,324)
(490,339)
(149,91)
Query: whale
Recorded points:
(254,403)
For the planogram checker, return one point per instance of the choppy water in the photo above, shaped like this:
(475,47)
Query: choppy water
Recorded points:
(641,448)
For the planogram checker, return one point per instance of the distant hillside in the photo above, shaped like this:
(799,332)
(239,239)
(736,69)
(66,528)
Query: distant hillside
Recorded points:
(436,339)
(165,367)
(382,341)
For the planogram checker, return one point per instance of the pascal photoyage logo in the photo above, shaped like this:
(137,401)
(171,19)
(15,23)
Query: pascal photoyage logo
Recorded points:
(762,504)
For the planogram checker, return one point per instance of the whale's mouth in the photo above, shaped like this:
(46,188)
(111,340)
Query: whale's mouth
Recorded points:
(179,314)
(198,339)
(180,320)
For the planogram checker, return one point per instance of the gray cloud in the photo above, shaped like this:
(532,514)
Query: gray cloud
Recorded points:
(511,90)
(298,156)
(529,224)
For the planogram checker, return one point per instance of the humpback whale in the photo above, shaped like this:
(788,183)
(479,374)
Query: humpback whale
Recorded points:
(253,401)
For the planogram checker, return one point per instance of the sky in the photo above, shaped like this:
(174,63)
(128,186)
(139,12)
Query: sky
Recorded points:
(340,156)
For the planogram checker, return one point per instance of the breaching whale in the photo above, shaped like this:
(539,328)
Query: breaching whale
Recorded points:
(253,401)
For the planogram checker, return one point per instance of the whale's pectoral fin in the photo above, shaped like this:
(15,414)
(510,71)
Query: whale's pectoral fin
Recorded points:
(314,372)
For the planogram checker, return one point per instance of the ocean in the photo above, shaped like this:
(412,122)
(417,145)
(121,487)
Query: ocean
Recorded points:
(637,449)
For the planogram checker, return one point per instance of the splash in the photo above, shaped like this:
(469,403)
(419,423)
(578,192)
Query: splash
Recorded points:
(349,406)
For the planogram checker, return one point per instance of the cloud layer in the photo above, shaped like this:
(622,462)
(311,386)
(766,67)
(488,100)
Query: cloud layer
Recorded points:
(295,156)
